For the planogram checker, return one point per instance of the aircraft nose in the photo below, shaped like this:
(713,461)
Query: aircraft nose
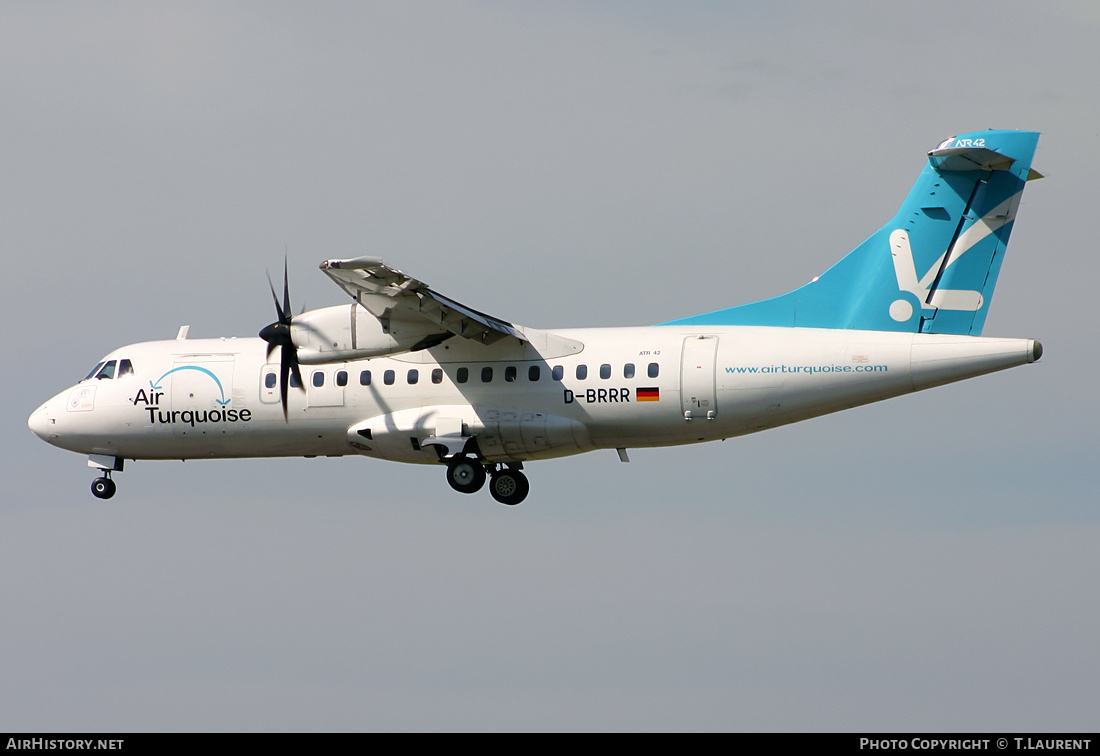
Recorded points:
(40,422)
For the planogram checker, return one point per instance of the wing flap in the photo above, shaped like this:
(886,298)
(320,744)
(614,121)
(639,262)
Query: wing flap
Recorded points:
(388,293)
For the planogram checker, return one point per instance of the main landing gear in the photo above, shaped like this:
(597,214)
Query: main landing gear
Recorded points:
(506,483)
(465,474)
(509,486)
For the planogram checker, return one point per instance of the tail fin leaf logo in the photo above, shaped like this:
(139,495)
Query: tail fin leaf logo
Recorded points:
(923,289)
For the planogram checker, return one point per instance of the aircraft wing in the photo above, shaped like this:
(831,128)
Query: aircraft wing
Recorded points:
(388,293)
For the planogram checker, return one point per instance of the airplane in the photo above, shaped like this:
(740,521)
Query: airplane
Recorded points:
(403,373)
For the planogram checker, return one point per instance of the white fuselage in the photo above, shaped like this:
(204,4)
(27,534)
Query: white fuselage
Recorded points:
(649,386)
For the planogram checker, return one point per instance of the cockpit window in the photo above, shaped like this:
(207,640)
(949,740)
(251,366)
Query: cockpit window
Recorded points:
(107,372)
(94,371)
(125,369)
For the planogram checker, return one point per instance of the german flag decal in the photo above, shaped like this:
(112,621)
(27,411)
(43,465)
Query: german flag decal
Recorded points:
(648,395)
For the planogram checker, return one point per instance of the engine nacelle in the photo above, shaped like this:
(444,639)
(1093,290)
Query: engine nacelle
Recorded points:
(350,332)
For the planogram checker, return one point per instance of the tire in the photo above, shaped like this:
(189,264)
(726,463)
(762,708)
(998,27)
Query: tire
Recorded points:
(466,475)
(509,487)
(103,488)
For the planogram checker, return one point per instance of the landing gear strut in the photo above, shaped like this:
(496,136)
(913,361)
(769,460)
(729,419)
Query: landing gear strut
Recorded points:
(103,488)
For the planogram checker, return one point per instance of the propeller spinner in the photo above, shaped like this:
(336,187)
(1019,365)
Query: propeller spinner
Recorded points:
(277,334)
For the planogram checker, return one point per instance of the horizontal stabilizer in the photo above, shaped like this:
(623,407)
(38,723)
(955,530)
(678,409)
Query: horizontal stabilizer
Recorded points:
(969,159)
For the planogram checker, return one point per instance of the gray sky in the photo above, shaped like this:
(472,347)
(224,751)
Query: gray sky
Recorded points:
(927,563)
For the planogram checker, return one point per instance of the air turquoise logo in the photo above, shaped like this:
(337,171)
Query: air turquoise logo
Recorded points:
(925,287)
(155,385)
(150,402)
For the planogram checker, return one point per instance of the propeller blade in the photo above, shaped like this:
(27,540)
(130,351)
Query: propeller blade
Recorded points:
(295,372)
(274,296)
(277,334)
(284,374)
(286,293)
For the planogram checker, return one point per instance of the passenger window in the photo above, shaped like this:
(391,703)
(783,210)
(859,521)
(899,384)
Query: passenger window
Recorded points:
(388,377)
(125,369)
(462,375)
(510,374)
(269,380)
(486,374)
(654,369)
(364,378)
(582,372)
(605,371)
(342,378)
(107,372)
(437,376)
(534,373)
(318,379)
(628,370)
(557,373)
(294,382)
(414,376)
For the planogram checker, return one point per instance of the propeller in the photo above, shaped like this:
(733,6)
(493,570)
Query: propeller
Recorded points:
(278,335)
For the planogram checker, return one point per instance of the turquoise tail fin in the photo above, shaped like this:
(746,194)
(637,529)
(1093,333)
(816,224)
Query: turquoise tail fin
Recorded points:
(933,268)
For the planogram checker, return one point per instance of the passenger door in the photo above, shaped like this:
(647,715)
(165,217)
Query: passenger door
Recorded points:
(697,362)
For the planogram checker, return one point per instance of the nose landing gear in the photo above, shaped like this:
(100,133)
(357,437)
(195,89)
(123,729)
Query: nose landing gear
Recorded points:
(103,488)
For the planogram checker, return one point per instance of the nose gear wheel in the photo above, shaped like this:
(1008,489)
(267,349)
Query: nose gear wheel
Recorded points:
(103,488)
